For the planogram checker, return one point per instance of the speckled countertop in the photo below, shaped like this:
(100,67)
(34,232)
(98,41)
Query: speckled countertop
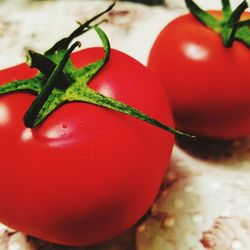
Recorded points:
(204,202)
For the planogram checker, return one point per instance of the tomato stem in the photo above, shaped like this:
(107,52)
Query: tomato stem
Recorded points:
(226,8)
(230,28)
(34,109)
(243,23)
(45,66)
(64,43)
(59,82)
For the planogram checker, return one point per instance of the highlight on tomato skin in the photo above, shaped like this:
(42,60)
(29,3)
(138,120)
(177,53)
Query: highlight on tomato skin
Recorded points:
(207,84)
(86,173)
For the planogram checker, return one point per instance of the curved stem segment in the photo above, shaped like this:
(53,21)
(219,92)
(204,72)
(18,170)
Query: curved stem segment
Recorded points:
(227,27)
(64,43)
(32,112)
(44,65)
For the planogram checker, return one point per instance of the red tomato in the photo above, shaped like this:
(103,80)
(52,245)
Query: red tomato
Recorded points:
(86,173)
(208,85)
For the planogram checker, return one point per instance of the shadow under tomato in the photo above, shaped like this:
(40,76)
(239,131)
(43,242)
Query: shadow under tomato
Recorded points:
(125,241)
(212,149)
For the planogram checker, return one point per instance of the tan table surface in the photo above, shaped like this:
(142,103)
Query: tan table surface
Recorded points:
(204,203)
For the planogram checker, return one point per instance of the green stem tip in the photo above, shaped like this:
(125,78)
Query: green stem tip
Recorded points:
(230,28)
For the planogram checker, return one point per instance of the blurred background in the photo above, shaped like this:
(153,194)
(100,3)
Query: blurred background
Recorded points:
(148,2)
(36,24)
(167,3)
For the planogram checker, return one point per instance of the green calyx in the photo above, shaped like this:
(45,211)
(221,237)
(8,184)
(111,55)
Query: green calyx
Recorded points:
(229,27)
(59,82)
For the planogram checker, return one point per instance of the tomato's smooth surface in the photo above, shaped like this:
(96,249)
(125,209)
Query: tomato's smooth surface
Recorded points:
(208,85)
(86,173)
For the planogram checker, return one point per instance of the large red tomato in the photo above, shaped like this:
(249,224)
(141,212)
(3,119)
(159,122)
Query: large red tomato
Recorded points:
(208,85)
(86,173)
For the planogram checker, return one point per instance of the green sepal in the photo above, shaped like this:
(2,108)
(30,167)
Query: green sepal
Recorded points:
(243,33)
(93,97)
(203,16)
(228,27)
(59,82)
(33,85)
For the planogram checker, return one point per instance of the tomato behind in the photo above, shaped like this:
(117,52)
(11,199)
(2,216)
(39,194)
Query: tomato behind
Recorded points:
(208,85)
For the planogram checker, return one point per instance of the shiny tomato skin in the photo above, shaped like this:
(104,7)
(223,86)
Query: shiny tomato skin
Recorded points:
(208,85)
(86,173)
